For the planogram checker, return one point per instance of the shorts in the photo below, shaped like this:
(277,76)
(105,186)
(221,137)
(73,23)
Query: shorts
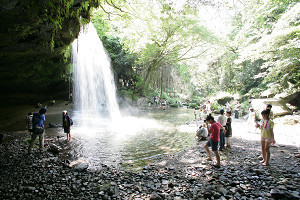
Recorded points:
(67,129)
(212,144)
(269,140)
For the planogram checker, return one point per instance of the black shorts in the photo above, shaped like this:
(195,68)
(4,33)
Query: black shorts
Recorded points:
(212,144)
(67,129)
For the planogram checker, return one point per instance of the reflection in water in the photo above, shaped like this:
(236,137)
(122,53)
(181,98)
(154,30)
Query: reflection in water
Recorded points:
(136,140)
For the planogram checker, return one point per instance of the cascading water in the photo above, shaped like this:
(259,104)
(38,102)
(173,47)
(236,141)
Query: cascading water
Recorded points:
(94,86)
(99,134)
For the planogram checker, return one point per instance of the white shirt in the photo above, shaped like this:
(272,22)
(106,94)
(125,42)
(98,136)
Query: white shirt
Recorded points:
(202,132)
(222,120)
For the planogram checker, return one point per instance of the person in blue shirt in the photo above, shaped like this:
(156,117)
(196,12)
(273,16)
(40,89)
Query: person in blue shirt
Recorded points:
(38,121)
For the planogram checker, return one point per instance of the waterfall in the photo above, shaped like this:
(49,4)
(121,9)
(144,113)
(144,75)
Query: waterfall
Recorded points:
(94,87)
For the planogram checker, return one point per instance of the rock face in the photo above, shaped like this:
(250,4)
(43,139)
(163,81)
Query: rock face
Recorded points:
(34,39)
(279,107)
(293,99)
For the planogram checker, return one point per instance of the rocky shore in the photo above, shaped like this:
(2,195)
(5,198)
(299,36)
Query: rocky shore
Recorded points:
(184,175)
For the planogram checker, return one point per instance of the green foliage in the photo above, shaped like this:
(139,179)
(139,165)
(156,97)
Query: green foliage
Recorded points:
(193,105)
(102,26)
(263,53)
(262,47)
(183,71)
(128,94)
(216,107)
(164,38)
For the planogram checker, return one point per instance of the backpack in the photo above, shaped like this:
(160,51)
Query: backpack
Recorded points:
(36,128)
(71,121)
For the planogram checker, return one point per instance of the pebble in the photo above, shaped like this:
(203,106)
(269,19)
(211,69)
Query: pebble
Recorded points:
(48,177)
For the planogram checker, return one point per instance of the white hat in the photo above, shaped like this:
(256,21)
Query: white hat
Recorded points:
(65,111)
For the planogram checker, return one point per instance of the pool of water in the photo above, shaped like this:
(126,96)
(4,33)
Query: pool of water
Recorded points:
(138,138)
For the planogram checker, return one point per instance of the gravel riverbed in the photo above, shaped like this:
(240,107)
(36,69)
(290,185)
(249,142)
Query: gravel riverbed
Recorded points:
(183,175)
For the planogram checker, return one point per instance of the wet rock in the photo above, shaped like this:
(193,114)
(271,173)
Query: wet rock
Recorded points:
(155,196)
(51,125)
(222,190)
(277,194)
(81,166)
(53,148)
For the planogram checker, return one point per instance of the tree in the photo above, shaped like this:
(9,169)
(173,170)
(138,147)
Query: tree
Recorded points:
(163,35)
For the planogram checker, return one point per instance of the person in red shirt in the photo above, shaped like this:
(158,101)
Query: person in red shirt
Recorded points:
(214,139)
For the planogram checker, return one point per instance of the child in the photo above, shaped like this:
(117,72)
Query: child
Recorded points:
(29,124)
(66,124)
(203,115)
(267,136)
(269,107)
(208,107)
(195,113)
(214,139)
(251,120)
(228,129)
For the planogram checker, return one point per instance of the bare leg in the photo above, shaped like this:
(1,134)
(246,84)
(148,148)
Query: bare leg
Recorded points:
(263,144)
(33,137)
(218,158)
(268,154)
(208,152)
(41,139)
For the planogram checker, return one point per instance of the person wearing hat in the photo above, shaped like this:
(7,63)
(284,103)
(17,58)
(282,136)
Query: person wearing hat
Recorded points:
(67,122)
(38,129)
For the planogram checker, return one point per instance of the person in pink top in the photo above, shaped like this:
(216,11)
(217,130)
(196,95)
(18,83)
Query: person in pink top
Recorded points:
(214,139)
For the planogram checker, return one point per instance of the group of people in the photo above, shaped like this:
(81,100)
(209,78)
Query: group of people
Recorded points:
(220,131)
(206,110)
(36,128)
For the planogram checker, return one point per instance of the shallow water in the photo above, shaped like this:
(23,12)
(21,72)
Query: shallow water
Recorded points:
(136,139)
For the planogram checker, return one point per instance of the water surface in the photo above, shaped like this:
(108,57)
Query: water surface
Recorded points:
(134,141)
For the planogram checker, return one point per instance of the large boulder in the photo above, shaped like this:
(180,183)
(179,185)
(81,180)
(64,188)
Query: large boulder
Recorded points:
(293,99)
(279,107)
(223,100)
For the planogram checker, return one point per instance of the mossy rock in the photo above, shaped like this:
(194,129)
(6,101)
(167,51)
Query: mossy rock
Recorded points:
(224,100)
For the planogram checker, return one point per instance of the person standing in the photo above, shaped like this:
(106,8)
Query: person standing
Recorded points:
(228,129)
(267,136)
(228,106)
(222,120)
(237,110)
(269,107)
(251,120)
(29,124)
(202,114)
(38,129)
(195,113)
(208,107)
(213,140)
(67,122)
